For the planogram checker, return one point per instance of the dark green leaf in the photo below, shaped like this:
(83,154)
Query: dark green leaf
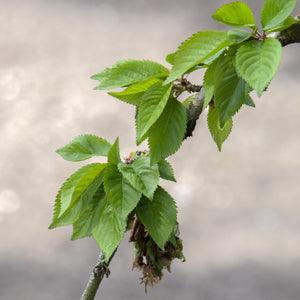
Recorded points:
(84,224)
(166,135)
(114,153)
(165,170)
(158,216)
(84,147)
(121,195)
(151,107)
(230,95)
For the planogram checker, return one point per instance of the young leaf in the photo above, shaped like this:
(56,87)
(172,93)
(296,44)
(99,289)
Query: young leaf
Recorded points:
(76,192)
(230,95)
(129,72)
(170,58)
(258,61)
(84,224)
(84,147)
(108,228)
(275,12)
(134,92)
(218,134)
(151,107)
(238,35)
(235,14)
(165,170)
(121,195)
(141,175)
(196,49)
(158,216)
(166,135)
(114,153)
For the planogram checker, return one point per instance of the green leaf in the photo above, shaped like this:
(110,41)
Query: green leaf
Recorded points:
(166,135)
(288,22)
(108,228)
(134,92)
(84,224)
(106,72)
(165,170)
(258,61)
(158,216)
(274,12)
(230,95)
(238,35)
(121,195)
(213,76)
(141,175)
(64,196)
(84,147)
(170,58)
(196,49)
(151,107)
(129,72)
(235,14)
(249,101)
(76,192)
(218,134)
(114,153)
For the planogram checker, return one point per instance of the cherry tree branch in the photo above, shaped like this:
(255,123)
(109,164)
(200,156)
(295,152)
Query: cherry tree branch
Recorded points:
(96,277)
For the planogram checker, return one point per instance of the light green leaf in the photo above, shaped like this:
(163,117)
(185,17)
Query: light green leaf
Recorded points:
(258,61)
(166,135)
(196,49)
(158,216)
(165,170)
(106,72)
(218,134)
(170,58)
(151,107)
(121,195)
(108,228)
(129,72)
(84,147)
(274,12)
(114,153)
(235,14)
(141,175)
(64,196)
(230,95)
(84,224)
(134,92)
(238,35)
(288,22)
(76,192)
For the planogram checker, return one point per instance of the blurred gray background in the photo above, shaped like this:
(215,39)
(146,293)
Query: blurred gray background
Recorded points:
(238,209)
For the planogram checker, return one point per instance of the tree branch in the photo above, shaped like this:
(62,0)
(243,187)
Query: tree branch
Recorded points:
(290,35)
(96,277)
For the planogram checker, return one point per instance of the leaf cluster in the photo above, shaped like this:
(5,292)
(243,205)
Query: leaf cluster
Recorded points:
(100,199)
